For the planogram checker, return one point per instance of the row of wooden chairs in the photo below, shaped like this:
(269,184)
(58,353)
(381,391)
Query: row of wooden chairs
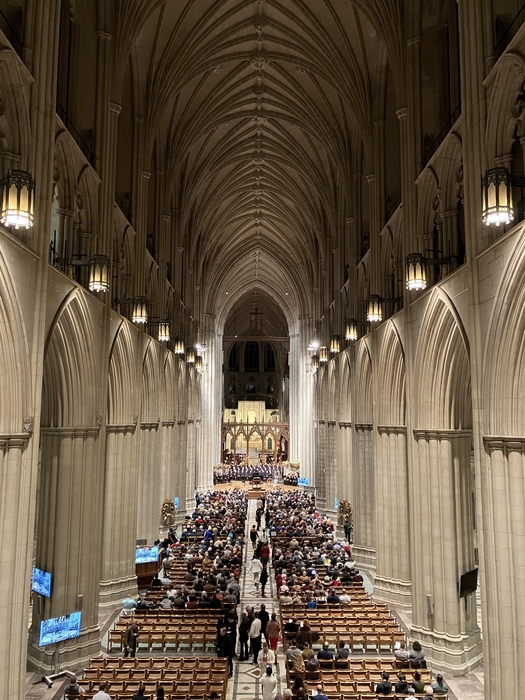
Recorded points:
(171,640)
(176,686)
(151,696)
(153,674)
(168,662)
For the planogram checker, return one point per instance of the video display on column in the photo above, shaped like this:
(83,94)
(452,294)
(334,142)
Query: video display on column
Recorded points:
(144,555)
(58,629)
(41,582)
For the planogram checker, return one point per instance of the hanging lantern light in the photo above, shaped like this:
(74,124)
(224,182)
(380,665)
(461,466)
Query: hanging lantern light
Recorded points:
(416,272)
(335,344)
(179,346)
(323,354)
(350,329)
(190,356)
(18,199)
(315,361)
(99,274)
(140,311)
(164,331)
(374,313)
(198,361)
(497,197)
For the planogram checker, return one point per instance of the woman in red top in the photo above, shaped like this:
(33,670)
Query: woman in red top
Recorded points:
(273,630)
(264,555)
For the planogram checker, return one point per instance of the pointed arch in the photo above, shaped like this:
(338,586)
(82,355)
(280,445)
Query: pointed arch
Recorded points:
(443,369)
(121,394)
(504,361)
(14,358)
(344,394)
(69,391)
(364,413)
(392,404)
(150,385)
(169,409)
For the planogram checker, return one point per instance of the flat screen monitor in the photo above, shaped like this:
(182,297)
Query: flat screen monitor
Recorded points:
(468,583)
(144,555)
(58,629)
(303,481)
(41,582)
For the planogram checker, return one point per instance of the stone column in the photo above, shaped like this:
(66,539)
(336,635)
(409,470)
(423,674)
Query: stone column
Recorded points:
(502,566)
(211,396)
(15,512)
(392,581)
(344,460)
(69,540)
(190,465)
(320,462)
(180,467)
(443,541)
(149,497)
(302,401)
(331,491)
(168,473)
(118,579)
(363,503)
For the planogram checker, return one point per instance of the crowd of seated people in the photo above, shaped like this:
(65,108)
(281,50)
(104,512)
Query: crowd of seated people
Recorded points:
(225,473)
(295,513)
(210,550)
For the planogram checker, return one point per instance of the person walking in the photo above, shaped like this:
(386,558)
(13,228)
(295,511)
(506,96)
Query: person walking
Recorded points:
(273,632)
(130,639)
(255,637)
(263,579)
(269,685)
(256,568)
(244,629)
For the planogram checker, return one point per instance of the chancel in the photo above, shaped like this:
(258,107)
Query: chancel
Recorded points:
(274,238)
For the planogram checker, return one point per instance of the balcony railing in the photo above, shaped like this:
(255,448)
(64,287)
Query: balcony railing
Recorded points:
(510,32)
(10,33)
(441,136)
(86,150)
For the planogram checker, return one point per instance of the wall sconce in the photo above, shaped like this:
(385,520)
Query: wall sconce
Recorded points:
(139,314)
(323,354)
(496,187)
(374,312)
(416,269)
(164,331)
(416,272)
(351,329)
(335,344)
(18,199)
(98,272)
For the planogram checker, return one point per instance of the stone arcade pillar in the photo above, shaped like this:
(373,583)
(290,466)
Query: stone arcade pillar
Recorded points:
(118,579)
(443,543)
(15,511)
(504,541)
(148,494)
(190,465)
(364,495)
(211,393)
(69,540)
(392,581)
(301,402)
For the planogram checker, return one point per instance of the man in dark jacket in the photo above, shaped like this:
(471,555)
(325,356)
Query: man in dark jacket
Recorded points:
(385,687)
(402,685)
(225,649)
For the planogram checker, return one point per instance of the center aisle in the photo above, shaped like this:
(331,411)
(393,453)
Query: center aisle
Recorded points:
(245,683)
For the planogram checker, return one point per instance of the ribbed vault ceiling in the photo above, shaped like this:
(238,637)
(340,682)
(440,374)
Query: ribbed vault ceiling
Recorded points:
(258,113)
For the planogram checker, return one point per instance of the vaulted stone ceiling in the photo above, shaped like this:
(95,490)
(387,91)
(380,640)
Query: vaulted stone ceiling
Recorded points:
(259,112)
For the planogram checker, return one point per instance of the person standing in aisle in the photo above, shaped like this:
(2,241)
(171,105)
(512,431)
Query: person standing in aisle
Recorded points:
(263,579)
(273,631)
(255,637)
